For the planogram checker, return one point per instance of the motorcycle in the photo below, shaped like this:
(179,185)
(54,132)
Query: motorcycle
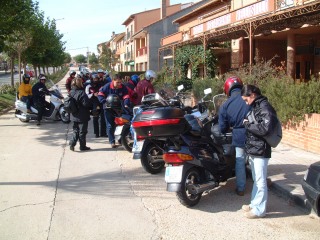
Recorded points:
(56,111)
(199,160)
(150,149)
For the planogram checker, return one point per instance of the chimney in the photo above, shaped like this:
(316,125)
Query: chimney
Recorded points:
(163,10)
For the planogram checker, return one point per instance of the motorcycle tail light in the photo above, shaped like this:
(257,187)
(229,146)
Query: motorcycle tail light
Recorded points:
(140,137)
(156,122)
(176,157)
(120,121)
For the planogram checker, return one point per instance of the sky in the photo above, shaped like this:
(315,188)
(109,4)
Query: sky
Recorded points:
(85,24)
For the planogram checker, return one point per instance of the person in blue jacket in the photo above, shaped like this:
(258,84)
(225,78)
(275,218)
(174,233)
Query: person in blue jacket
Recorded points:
(231,115)
(115,87)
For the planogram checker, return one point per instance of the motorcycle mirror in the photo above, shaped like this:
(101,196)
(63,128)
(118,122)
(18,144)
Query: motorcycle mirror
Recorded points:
(180,87)
(207,91)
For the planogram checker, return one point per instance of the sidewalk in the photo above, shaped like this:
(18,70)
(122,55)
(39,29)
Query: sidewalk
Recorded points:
(286,170)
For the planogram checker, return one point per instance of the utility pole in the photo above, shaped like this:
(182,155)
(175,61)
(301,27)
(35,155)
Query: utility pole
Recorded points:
(88,55)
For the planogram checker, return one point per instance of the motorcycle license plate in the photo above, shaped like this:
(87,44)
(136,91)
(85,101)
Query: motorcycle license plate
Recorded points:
(173,174)
(137,147)
(118,130)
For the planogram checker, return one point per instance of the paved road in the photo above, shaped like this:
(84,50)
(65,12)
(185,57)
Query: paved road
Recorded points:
(50,192)
(6,78)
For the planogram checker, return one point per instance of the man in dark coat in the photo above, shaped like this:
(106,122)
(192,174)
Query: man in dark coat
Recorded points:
(81,117)
(231,115)
(39,92)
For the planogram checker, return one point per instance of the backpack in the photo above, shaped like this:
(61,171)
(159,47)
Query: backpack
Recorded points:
(70,104)
(273,138)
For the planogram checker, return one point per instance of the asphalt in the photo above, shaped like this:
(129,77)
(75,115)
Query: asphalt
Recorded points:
(286,170)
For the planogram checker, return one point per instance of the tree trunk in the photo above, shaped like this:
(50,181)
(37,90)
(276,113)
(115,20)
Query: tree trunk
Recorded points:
(12,71)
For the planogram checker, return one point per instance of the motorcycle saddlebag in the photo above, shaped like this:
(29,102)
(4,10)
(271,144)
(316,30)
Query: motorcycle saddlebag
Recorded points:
(160,122)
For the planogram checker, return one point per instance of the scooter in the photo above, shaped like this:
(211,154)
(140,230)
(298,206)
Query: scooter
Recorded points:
(150,149)
(198,161)
(122,133)
(56,111)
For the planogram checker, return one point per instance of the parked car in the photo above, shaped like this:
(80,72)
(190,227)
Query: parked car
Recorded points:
(311,186)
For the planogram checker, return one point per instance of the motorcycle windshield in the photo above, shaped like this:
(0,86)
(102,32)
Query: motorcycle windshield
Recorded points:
(53,88)
(218,100)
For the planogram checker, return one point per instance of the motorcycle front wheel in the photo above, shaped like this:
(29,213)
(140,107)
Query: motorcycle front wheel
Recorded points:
(127,139)
(187,199)
(151,159)
(65,117)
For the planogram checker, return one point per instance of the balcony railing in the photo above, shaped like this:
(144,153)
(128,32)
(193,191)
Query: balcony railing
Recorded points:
(141,51)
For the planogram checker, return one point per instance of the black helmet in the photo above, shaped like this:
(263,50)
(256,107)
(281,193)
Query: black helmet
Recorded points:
(113,101)
(26,78)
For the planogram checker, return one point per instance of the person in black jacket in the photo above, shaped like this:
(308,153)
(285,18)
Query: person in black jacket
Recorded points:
(231,115)
(39,92)
(257,149)
(81,117)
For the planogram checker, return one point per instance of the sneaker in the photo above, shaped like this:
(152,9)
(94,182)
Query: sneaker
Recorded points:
(29,111)
(251,215)
(85,148)
(246,208)
(239,193)
(113,145)
(38,123)
(71,148)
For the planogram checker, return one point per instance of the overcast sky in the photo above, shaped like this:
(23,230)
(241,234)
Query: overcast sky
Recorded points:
(88,23)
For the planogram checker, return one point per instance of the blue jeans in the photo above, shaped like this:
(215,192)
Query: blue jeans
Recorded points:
(259,195)
(111,126)
(240,169)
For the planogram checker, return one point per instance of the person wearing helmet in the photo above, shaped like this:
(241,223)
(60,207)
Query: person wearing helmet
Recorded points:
(145,86)
(25,91)
(131,84)
(72,75)
(81,117)
(115,87)
(92,90)
(39,92)
(231,115)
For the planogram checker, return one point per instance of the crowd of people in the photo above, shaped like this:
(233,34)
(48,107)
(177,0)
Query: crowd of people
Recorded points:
(94,93)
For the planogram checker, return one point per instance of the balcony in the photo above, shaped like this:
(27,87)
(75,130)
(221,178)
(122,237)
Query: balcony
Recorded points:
(141,51)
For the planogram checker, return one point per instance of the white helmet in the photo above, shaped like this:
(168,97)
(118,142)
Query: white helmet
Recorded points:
(150,74)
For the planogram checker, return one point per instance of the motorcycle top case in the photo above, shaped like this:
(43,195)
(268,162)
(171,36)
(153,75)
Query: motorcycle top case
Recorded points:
(160,122)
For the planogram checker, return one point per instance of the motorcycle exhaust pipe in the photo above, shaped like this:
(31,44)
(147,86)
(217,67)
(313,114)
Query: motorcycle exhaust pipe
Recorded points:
(200,188)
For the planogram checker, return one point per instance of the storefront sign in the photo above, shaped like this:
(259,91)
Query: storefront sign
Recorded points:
(218,22)
(252,10)
(197,29)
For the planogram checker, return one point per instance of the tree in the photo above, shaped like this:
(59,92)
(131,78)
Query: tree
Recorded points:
(14,16)
(80,58)
(67,58)
(18,41)
(93,59)
(105,58)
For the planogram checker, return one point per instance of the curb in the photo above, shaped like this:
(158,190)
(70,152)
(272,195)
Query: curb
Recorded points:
(292,199)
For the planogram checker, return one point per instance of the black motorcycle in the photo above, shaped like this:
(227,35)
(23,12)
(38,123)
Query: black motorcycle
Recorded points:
(149,149)
(199,157)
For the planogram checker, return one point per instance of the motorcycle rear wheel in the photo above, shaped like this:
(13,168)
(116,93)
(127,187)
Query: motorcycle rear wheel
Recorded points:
(147,156)
(127,140)
(187,199)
